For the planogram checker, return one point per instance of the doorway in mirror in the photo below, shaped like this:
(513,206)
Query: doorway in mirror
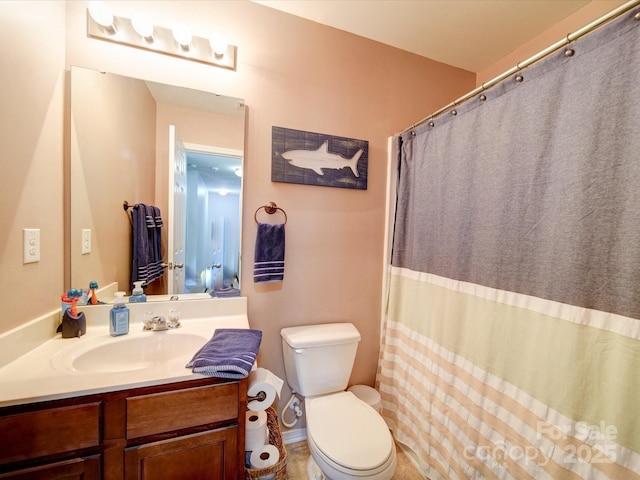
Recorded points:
(213,210)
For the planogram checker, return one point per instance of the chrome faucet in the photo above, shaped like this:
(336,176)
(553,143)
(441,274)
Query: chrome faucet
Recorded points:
(155,323)
(158,323)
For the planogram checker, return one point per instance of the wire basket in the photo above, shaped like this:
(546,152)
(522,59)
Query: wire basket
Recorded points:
(275,439)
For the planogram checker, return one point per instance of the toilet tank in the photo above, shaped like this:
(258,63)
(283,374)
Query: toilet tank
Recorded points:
(318,358)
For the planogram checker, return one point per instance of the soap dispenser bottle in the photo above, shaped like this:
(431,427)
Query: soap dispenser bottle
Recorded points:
(137,295)
(119,324)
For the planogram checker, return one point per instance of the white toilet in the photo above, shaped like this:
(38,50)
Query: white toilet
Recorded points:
(347,438)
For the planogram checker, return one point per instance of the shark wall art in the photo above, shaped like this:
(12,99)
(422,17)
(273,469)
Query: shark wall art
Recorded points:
(318,159)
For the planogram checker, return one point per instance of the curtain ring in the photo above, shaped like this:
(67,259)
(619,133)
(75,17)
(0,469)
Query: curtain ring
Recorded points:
(454,105)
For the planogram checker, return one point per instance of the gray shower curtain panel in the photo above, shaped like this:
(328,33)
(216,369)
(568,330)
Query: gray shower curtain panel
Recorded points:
(513,316)
(537,189)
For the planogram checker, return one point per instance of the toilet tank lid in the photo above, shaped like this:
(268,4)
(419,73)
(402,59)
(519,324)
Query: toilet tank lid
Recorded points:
(320,335)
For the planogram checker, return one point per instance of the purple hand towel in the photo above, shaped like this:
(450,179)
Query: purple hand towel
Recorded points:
(230,353)
(269,253)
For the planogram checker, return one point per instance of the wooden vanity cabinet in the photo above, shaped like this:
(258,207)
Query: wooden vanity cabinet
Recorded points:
(187,430)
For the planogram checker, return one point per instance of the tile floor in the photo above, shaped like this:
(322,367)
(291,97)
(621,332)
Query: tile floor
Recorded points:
(297,454)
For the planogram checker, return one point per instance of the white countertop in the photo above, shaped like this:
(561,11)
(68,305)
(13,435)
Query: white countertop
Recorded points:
(40,375)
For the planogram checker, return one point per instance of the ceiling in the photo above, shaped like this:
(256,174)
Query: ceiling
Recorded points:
(196,99)
(218,172)
(469,34)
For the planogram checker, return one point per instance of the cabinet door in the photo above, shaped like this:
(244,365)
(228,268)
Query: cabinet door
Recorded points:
(202,456)
(87,468)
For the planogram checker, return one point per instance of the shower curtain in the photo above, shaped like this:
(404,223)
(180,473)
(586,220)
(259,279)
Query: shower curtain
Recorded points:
(511,340)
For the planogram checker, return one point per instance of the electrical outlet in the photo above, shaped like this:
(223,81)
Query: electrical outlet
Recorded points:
(31,245)
(86,241)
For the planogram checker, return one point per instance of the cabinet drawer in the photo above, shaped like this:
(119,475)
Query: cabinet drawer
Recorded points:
(48,432)
(87,468)
(169,411)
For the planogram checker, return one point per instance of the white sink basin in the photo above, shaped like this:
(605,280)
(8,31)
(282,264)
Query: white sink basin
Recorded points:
(97,362)
(172,349)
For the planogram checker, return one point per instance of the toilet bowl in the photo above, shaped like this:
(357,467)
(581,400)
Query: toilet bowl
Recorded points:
(347,438)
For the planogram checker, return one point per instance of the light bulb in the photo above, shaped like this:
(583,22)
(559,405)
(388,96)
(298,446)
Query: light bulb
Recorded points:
(182,34)
(218,44)
(142,25)
(238,172)
(101,14)
(222,192)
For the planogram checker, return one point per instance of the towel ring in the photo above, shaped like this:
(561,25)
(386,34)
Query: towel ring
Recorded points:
(270,208)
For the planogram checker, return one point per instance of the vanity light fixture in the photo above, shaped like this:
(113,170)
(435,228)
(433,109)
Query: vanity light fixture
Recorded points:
(177,41)
(143,26)
(182,35)
(218,44)
(100,13)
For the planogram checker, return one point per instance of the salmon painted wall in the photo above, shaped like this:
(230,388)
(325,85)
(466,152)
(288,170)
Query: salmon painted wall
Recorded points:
(584,16)
(32,75)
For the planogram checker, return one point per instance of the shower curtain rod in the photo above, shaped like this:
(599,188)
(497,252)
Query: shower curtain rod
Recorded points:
(538,56)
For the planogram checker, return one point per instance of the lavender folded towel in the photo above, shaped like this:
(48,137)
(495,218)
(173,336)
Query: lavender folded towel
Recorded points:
(225,293)
(269,253)
(230,353)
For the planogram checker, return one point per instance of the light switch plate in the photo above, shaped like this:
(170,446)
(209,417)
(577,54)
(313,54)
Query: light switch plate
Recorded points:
(86,241)
(31,245)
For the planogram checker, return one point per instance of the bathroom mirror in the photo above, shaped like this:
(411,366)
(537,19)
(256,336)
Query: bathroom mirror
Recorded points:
(119,151)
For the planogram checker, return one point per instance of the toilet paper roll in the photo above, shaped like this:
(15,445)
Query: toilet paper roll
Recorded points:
(256,430)
(264,457)
(262,381)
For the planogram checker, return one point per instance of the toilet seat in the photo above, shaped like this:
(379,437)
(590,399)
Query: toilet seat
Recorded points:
(349,433)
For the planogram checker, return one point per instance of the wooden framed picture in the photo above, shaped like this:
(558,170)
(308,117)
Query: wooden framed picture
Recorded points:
(313,158)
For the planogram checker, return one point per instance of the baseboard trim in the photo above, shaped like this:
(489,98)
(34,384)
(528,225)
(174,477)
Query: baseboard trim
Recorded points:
(294,436)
